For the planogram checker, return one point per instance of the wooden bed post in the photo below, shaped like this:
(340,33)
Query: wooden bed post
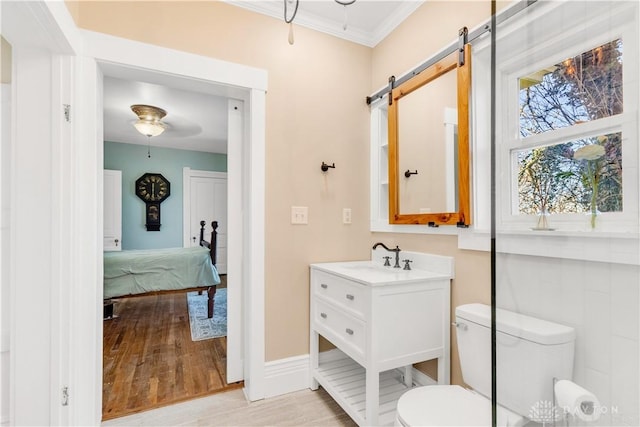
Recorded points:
(213,246)
(202,223)
(214,242)
(211,293)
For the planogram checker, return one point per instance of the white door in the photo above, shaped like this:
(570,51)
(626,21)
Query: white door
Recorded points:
(112,210)
(208,202)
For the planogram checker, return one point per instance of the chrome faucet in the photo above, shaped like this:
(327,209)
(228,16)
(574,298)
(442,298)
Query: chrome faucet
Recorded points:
(396,250)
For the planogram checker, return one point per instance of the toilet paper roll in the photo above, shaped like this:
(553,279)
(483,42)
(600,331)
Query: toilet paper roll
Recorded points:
(575,400)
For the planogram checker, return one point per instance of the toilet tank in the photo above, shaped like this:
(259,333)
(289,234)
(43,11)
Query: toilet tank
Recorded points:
(530,353)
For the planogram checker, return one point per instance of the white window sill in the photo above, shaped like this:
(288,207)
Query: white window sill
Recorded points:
(611,247)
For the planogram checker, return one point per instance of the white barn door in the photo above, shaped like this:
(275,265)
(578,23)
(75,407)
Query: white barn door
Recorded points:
(206,200)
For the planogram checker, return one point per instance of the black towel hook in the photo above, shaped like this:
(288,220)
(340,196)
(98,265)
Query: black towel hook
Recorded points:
(325,167)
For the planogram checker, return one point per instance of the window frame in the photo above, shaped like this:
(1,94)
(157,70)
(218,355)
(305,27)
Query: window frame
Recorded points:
(560,42)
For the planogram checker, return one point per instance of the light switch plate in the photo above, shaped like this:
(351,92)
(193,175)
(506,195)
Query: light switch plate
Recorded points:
(299,215)
(346,216)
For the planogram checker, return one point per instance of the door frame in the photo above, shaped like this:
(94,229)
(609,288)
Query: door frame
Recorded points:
(119,57)
(38,156)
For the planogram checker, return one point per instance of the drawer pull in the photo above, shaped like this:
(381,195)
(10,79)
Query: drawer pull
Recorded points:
(323,285)
(323,315)
(349,331)
(350,297)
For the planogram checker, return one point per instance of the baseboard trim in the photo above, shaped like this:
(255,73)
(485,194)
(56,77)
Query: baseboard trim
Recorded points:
(286,375)
(292,373)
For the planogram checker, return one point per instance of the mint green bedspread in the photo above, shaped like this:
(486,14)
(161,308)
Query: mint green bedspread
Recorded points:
(149,270)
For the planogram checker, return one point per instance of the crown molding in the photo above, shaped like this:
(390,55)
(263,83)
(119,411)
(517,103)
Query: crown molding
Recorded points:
(318,23)
(393,20)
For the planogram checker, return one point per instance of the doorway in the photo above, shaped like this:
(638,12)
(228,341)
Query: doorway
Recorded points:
(162,362)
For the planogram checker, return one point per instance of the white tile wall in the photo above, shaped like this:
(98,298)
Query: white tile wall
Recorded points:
(597,332)
(624,381)
(595,380)
(601,301)
(624,301)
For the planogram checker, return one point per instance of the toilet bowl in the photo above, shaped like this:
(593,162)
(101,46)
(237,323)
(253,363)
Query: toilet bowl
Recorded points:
(531,352)
(450,405)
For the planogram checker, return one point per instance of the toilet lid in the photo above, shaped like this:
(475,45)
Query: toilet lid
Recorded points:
(444,405)
(450,405)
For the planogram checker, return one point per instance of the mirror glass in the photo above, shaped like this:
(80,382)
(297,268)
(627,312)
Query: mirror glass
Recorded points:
(429,145)
(427,118)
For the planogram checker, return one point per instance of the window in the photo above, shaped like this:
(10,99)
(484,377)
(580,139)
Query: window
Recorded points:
(567,116)
(555,178)
(579,89)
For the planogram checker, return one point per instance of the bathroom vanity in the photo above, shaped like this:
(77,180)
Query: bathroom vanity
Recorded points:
(381,320)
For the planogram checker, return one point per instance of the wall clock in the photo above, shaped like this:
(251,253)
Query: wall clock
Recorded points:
(153,189)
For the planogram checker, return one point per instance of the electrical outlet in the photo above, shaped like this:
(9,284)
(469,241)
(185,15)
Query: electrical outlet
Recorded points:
(299,215)
(346,216)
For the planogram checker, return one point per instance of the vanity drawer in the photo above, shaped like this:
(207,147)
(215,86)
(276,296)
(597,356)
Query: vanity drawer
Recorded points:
(343,292)
(342,328)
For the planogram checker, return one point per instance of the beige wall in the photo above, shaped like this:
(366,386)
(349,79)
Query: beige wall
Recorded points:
(74,9)
(315,112)
(429,29)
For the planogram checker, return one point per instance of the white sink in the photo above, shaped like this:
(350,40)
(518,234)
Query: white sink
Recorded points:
(375,273)
(370,267)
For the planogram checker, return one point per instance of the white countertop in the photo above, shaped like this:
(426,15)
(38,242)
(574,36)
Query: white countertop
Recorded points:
(369,273)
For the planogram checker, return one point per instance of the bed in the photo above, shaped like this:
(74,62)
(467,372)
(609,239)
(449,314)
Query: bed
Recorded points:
(154,271)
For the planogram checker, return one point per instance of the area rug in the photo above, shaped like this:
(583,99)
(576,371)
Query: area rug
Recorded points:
(203,328)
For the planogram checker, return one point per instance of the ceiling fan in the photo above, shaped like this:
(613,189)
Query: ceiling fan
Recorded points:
(149,121)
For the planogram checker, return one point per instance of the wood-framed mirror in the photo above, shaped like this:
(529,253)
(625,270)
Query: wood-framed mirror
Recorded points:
(429,175)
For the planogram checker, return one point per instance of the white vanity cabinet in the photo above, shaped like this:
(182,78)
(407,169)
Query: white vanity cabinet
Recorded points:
(382,320)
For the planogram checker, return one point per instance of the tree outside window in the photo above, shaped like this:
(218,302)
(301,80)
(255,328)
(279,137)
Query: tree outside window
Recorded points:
(585,88)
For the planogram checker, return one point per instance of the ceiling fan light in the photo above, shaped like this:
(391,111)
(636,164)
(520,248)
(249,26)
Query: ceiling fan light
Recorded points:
(149,119)
(149,128)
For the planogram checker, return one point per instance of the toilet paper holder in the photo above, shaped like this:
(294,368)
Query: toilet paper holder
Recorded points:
(584,404)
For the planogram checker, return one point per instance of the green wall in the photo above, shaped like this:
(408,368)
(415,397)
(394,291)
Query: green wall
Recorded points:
(133,162)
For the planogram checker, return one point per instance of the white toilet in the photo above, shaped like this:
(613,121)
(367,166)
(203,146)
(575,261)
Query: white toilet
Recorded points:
(530,353)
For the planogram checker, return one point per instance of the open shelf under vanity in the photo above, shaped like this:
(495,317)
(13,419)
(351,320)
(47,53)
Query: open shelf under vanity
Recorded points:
(344,379)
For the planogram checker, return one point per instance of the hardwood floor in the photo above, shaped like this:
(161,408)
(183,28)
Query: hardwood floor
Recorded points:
(149,358)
